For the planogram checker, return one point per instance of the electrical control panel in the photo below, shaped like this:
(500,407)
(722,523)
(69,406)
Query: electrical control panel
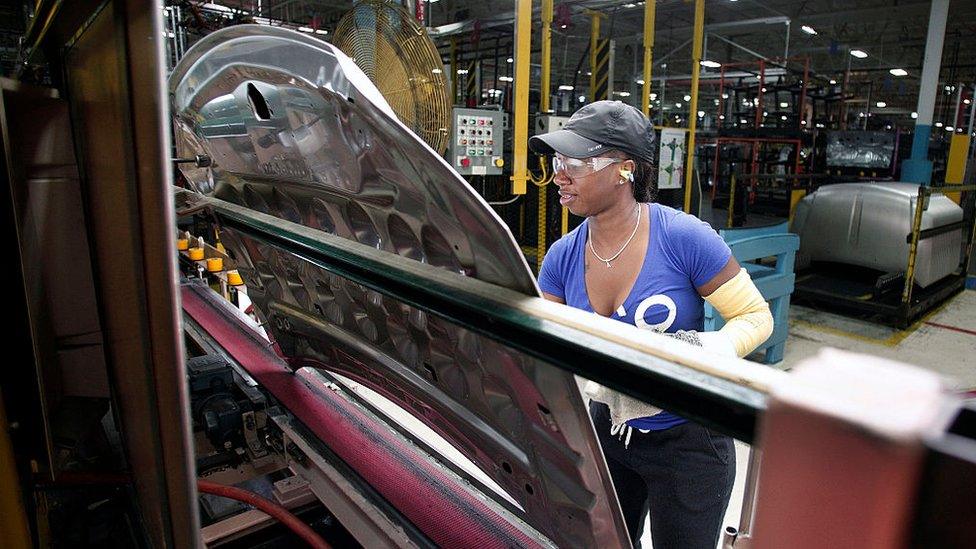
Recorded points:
(477,142)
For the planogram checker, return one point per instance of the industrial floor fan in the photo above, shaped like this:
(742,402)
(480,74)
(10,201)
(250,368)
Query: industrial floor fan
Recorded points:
(398,56)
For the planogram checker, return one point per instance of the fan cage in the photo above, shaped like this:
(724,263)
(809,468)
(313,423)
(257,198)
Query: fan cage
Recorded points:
(401,60)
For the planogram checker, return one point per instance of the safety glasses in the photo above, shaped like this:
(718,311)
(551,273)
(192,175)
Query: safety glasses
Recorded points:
(580,167)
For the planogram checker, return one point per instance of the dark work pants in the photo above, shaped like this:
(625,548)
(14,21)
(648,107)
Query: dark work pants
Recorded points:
(682,476)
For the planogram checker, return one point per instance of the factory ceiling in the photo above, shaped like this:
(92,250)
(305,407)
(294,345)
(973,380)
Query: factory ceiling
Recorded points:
(891,32)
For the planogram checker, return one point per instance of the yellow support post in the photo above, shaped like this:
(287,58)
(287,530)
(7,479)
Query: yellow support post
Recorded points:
(696,54)
(906,294)
(956,164)
(540,250)
(796,195)
(649,11)
(546,54)
(595,18)
(520,141)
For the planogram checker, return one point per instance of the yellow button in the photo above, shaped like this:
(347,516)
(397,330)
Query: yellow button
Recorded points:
(234,278)
(183,244)
(499,162)
(215,264)
(196,254)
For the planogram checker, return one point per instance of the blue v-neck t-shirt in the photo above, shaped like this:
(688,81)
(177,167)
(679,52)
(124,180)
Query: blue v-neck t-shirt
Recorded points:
(683,253)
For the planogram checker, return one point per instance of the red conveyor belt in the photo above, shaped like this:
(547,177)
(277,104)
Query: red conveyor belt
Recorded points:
(425,495)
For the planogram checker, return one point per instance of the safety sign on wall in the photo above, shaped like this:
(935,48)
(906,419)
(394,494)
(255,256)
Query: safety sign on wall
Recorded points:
(672,161)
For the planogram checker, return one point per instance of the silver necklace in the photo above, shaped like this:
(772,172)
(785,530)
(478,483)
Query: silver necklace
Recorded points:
(607,260)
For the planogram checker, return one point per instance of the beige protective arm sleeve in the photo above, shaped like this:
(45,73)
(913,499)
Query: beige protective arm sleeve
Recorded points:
(748,322)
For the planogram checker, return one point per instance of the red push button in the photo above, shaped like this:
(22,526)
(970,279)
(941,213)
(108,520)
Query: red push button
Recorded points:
(465,162)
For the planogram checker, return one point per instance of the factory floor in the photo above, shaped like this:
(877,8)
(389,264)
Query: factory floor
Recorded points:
(943,341)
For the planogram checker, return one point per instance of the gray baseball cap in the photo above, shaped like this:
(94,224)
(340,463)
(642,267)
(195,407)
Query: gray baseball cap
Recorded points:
(600,127)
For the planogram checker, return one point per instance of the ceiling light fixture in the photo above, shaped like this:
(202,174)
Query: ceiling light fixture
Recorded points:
(710,64)
(808,29)
(566,87)
(881,104)
(687,98)
(898,72)
(859,54)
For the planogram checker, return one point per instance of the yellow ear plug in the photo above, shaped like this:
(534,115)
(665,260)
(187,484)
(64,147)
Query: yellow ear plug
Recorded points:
(626,174)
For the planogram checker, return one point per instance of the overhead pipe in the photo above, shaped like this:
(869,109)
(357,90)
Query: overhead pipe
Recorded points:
(696,54)
(955,113)
(454,69)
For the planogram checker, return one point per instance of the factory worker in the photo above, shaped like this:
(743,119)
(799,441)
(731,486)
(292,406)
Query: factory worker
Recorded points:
(652,266)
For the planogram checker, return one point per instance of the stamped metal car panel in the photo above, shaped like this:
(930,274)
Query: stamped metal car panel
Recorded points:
(294,130)
(278,109)
(866,224)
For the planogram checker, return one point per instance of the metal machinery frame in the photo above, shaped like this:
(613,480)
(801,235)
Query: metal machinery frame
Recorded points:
(120,135)
(757,135)
(107,59)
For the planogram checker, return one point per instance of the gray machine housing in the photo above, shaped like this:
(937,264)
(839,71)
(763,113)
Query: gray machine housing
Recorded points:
(545,123)
(867,224)
(477,143)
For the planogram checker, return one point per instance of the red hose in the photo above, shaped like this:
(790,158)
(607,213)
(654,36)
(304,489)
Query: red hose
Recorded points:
(283,515)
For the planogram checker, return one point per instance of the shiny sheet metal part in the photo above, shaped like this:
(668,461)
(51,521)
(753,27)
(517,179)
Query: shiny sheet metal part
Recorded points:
(858,149)
(294,128)
(866,224)
(296,131)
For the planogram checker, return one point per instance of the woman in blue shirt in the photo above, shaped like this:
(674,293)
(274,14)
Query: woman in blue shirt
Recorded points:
(652,266)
